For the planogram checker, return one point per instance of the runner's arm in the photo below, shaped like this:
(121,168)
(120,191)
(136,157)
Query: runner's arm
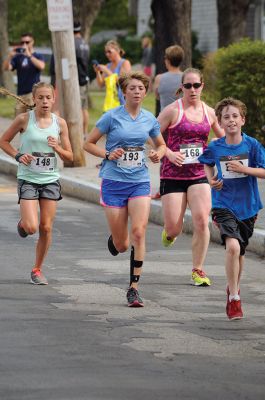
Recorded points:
(156,85)
(17,126)
(218,131)
(214,183)
(91,146)
(126,67)
(159,152)
(63,149)
(236,166)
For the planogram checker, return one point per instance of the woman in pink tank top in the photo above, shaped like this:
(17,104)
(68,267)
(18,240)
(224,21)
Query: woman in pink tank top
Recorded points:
(187,124)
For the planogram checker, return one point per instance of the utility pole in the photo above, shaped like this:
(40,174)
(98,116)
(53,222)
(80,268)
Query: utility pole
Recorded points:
(60,18)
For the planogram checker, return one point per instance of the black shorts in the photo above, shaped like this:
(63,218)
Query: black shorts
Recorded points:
(34,191)
(178,186)
(231,227)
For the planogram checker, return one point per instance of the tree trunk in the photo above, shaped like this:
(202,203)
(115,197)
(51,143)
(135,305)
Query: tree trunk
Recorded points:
(172,25)
(86,11)
(6,77)
(232,17)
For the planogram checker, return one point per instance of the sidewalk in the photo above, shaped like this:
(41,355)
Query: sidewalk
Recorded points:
(83,183)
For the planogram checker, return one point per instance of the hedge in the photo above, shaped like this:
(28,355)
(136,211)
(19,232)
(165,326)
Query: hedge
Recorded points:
(239,71)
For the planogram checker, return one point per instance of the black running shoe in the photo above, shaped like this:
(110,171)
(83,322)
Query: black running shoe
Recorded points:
(21,231)
(111,247)
(133,298)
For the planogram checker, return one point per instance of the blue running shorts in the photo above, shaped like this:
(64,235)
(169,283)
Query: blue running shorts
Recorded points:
(117,194)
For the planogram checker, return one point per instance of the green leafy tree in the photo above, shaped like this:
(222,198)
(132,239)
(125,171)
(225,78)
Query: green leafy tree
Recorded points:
(114,14)
(28,16)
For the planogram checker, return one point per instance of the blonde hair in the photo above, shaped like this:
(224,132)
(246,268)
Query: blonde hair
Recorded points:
(116,46)
(146,41)
(126,78)
(41,85)
(35,87)
(230,101)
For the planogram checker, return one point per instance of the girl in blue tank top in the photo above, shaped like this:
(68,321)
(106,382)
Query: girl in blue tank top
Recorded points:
(43,138)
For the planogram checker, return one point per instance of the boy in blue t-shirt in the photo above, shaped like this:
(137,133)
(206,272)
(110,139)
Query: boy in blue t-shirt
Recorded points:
(239,160)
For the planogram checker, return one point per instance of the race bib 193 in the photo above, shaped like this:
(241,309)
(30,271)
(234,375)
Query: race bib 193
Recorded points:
(131,158)
(44,162)
(191,152)
(226,174)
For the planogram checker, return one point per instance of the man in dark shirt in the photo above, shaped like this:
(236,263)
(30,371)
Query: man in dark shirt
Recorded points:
(82,57)
(28,65)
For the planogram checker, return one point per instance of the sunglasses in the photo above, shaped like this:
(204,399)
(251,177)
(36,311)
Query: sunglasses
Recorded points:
(195,85)
(25,42)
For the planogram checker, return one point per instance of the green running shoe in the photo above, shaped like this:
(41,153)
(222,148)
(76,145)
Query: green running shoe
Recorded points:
(199,278)
(167,242)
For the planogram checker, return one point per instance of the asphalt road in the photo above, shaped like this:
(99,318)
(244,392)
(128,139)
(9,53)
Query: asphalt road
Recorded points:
(77,339)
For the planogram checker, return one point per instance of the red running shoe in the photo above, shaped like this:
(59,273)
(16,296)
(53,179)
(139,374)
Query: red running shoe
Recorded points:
(227,298)
(234,310)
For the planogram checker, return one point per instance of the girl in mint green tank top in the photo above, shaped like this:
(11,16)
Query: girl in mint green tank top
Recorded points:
(34,140)
(43,138)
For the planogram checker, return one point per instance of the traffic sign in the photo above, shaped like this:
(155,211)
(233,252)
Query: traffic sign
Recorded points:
(60,15)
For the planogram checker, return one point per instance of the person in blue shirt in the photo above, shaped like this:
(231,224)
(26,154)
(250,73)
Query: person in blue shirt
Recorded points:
(28,64)
(125,190)
(232,165)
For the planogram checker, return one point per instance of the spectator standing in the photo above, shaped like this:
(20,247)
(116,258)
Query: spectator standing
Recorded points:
(167,84)
(107,75)
(147,56)
(28,65)
(82,59)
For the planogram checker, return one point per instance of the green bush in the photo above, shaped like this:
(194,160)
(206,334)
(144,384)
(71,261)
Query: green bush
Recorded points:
(239,71)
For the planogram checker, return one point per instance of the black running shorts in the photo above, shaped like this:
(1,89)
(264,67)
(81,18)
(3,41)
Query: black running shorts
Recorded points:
(178,186)
(231,227)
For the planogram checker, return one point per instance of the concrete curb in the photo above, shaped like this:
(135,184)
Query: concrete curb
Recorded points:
(91,192)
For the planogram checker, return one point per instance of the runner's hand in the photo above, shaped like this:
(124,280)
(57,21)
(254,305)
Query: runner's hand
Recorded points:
(115,154)
(215,183)
(52,142)
(154,157)
(26,159)
(175,157)
(235,166)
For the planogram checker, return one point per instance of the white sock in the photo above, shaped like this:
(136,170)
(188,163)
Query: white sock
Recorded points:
(234,297)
